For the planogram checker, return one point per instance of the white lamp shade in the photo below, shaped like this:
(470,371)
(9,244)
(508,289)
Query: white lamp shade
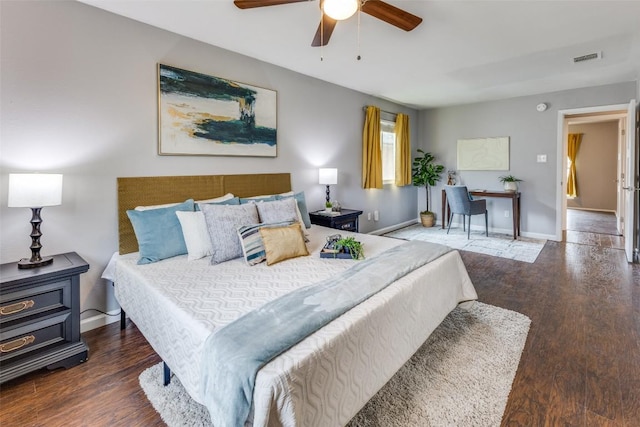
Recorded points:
(328,176)
(340,9)
(34,190)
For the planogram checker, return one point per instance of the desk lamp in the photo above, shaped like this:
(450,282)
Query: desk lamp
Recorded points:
(34,191)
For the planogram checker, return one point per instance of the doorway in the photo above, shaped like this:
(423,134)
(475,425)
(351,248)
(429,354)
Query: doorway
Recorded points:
(625,118)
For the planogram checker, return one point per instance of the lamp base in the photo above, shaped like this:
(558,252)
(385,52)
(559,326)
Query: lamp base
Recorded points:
(27,263)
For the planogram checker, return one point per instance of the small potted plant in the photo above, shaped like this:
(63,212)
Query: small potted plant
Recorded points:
(351,246)
(510,182)
(424,173)
(328,207)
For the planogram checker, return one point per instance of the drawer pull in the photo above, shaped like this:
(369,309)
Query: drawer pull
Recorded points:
(16,344)
(16,308)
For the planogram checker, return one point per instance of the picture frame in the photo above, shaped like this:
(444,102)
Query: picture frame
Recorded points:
(483,154)
(204,115)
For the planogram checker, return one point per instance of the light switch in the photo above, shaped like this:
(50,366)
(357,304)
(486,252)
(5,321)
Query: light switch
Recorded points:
(542,158)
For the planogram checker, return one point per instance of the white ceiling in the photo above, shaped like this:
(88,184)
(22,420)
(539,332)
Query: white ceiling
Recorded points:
(463,52)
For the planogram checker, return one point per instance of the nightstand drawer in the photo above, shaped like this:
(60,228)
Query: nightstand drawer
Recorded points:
(34,301)
(27,338)
(346,220)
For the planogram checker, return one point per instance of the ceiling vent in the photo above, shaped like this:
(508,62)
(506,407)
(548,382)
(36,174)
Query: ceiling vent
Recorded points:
(587,57)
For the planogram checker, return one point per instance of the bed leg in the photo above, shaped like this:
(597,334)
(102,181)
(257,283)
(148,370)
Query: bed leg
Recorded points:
(123,320)
(167,374)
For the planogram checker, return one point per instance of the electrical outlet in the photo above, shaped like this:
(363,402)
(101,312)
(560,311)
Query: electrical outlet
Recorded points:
(368,216)
(506,214)
(376,216)
(542,158)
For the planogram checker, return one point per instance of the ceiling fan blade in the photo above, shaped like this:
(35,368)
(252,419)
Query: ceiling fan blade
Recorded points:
(324,33)
(248,4)
(391,14)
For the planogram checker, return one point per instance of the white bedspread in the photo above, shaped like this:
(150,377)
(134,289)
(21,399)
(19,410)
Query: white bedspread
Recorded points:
(326,378)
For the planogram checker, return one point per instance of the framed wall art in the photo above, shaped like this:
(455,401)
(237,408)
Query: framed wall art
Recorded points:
(483,154)
(205,115)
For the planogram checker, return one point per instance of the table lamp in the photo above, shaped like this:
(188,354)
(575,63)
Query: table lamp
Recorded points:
(34,191)
(328,176)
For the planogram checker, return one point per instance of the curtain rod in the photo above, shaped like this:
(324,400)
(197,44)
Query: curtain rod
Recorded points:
(381,110)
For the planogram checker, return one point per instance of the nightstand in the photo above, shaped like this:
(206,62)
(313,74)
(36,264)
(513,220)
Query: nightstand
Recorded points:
(40,316)
(347,219)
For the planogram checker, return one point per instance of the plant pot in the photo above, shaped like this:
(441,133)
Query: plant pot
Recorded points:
(328,210)
(427,219)
(511,186)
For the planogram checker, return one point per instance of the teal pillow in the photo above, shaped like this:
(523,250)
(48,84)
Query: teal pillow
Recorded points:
(302,207)
(159,232)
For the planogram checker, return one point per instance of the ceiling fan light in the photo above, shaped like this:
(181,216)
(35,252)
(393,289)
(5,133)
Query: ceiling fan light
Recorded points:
(340,9)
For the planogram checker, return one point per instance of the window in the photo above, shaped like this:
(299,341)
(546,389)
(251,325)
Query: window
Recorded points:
(388,148)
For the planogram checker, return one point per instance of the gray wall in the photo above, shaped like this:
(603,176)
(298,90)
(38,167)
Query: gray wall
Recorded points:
(79,97)
(596,166)
(531,133)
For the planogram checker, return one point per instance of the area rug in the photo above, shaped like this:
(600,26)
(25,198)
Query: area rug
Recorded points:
(500,245)
(461,376)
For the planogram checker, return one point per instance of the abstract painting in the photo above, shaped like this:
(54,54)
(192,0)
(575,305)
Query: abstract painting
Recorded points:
(483,154)
(200,114)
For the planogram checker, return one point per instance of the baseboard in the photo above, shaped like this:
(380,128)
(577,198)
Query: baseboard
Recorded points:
(100,320)
(592,209)
(384,230)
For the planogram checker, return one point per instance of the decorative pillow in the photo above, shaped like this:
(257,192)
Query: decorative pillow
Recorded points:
(196,235)
(265,198)
(302,206)
(222,223)
(159,232)
(231,201)
(217,199)
(278,211)
(252,246)
(281,243)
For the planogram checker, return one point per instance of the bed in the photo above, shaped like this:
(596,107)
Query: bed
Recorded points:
(326,378)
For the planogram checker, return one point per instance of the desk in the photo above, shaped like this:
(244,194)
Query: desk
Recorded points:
(515,203)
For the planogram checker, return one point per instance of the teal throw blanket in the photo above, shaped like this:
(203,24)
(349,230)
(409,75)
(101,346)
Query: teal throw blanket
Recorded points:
(234,354)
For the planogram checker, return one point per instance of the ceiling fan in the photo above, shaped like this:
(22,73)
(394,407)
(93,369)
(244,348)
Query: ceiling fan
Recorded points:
(376,8)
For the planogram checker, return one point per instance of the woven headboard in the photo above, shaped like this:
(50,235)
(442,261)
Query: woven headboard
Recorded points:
(155,190)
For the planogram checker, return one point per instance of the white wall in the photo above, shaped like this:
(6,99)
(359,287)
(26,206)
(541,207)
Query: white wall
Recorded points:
(531,133)
(79,97)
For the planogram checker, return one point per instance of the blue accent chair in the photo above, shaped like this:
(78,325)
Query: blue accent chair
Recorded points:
(460,203)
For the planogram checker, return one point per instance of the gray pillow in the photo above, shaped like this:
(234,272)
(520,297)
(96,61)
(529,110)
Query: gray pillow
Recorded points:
(222,223)
(278,210)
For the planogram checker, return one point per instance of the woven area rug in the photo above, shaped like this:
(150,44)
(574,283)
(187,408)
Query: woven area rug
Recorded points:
(461,376)
(500,245)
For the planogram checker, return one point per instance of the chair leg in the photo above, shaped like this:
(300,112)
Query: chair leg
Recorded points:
(469,228)
(486,224)
(464,223)
(450,219)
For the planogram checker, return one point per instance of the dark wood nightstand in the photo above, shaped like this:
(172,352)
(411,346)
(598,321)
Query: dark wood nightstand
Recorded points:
(347,219)
(40,316)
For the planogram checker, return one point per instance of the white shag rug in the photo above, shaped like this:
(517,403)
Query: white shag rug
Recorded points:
(461,376)
(500,245)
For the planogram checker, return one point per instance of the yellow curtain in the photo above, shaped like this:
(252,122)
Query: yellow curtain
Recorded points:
(572,153)
(403,150)
(371,151)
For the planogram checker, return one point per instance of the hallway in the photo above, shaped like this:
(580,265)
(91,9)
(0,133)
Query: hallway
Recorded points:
(593,228)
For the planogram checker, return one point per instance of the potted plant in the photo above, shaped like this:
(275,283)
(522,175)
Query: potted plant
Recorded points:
(510,182)
(351,246)
(328,207)
(424,173)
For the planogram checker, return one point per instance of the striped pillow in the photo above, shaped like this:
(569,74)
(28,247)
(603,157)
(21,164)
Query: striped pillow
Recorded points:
(252,246)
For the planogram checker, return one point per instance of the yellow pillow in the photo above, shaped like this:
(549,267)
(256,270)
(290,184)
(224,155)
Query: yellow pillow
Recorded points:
(281,243)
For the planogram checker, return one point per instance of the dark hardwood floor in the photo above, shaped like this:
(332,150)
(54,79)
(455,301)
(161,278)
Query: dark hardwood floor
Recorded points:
(580,365)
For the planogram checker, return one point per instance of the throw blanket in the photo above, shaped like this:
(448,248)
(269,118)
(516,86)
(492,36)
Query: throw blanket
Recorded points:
(236,352)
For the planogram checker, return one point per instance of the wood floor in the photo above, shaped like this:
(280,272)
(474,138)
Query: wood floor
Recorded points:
(580,366)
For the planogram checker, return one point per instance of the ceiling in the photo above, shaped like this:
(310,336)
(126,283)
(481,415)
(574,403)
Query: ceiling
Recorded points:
(462,52)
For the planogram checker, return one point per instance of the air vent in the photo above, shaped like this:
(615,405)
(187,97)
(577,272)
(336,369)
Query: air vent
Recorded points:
(588,57)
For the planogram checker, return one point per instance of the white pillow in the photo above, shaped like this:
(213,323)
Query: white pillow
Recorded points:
(278,211)
(196,235)
(224,198)
(147,208)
